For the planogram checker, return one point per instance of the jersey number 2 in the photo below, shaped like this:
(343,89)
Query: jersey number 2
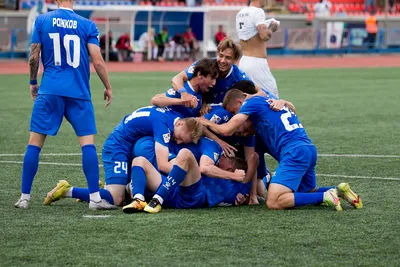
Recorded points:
(75,60)
(285,120)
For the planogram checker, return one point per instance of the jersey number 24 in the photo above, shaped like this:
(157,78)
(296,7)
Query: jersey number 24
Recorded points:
(75,60)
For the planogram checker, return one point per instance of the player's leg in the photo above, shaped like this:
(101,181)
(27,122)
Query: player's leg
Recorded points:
(46,118)
(143,174)
(288,178)
(185,172)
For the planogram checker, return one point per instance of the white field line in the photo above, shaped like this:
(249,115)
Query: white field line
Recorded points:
(319,174)
(319,155)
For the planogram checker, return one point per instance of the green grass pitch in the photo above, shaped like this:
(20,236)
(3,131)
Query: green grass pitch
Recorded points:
(345,111)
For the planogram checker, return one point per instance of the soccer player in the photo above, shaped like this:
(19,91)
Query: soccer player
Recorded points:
(285,139)
(64,40)
(229,74)
(204,75)
(253,32)
(160,123)
(183,187)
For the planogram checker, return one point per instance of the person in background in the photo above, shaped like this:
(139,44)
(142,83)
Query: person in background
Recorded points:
(112,56)
(190,43)
(371,26)
(146,39)
(220,35)
(124,47)
(161,40)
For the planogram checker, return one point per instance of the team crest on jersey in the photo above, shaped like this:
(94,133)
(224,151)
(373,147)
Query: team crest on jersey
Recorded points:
(215,118)
(191,70)
(167,137)
(216,156)
(226,118)
(171,91)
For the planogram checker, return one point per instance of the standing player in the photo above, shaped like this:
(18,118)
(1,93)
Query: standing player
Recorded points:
(253,32)
(285,139)
(65,39)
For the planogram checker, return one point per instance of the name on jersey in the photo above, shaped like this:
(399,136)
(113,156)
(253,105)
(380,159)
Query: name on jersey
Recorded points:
(242,15)
(65,23)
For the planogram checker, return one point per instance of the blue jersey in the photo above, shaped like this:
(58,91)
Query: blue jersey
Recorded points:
(222,85)
(221,192)
(184,111)
(219,115)
(279,130)
(147,121)
(64,37)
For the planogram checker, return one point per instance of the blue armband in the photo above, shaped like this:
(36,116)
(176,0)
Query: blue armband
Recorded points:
(182,90)
(33,82)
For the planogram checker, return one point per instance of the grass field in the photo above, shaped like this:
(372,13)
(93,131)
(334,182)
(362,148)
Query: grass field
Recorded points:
(345,111)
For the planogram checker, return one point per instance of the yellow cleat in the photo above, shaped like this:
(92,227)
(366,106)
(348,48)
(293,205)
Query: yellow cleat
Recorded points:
(57,193)
(101,185)
(153,207)
(135,206)
(331,199)
(345,192)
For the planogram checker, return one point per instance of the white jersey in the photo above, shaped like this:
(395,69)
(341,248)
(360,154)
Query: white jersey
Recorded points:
(247,21)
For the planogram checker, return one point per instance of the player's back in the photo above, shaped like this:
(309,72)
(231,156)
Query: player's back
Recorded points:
(143,122)
(279,130)
(246,26)
(64,37)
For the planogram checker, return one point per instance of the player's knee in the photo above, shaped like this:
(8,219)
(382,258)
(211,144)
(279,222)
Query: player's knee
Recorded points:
(118,200)
(273,204)
(184,155)
(139,161)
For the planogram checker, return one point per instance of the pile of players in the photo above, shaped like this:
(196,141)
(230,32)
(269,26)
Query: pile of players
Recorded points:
(202,144)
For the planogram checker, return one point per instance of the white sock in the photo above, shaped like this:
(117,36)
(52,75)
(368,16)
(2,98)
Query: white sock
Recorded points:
(160,199)
(95,197)
(69,193)
(139,196)
(26,196)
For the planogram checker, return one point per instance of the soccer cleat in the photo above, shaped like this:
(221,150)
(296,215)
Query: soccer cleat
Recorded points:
(101,185)
(22,204)
(135,206)
(345,192)
(331,199)
(57,193)
(101,205)
(154,206)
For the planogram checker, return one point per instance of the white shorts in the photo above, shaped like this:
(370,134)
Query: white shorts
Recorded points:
(258,71)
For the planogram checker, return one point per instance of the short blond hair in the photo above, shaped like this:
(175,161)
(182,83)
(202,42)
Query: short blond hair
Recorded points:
(195,128)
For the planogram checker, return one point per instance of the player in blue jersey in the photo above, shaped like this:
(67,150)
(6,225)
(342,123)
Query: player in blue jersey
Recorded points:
(183,187)
(228,52)
(160,123)
(286,140)
(65,40)
(204,75)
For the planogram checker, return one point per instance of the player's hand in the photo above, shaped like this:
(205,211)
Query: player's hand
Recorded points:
(33,91)
(241,199)
(189,101)
(238,175)
(291,106)
(108,96)
(253,200)
(205,109)
(276,104)
(229,151)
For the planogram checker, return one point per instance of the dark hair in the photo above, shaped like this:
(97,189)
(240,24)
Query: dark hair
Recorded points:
(239,163)
(245,86)
(205,67)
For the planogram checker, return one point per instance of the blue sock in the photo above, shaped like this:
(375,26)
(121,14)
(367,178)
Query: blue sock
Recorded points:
(83,194)
(29,168)
(174,179)
(303,199)
(90,165)
(138,181)
(324,189)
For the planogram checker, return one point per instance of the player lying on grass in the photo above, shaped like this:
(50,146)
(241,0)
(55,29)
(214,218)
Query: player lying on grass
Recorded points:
(184,187)
(160,123)
(284,137)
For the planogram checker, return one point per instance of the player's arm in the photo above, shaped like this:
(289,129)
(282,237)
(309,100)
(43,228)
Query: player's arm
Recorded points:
(101,70)
(258,19)
(208,168)
(161,100)
(162,154)
(179,80)
(34,60)
(227,148)
(226,129)
(252,160)
(178,83)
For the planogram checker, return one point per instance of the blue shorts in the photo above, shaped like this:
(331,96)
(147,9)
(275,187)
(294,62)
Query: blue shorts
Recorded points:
(296,170)
(49,110)
(145,147)
(187,197)
(117,161)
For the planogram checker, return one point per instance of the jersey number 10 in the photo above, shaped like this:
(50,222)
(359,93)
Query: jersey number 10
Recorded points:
(75,60)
